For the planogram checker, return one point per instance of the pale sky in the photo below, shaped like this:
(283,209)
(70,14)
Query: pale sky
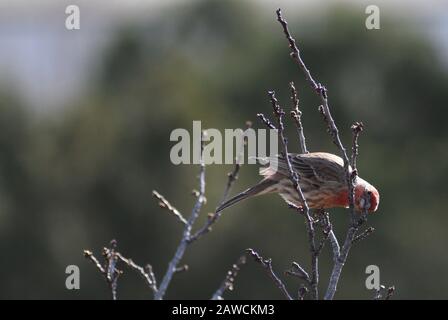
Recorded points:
(48,64)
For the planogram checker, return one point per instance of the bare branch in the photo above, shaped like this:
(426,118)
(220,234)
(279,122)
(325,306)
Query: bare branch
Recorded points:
(266,121)
(296,115)
(89,255)
(335,245)
(110,271)
(231,178)
(295,54)
(327,227)
(329,235)
(187,231)
(364,234)
(297,271)
(279,114)
(112,257)
(322,243)
(147,275)
(340,261)
(357,128)
(356,220)
(229,281)
(163,203)
(267,265)
(318,88)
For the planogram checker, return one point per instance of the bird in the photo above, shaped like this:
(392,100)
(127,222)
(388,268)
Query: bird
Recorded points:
(322,179)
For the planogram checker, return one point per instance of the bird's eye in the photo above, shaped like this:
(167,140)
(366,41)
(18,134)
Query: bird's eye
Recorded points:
(369,193)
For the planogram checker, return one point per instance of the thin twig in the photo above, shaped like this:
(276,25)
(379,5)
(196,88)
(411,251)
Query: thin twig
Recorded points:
(266,121)
(340,261)
(89,255)
(110,271)
(298,271)
(296,115)
(295,54)
(147,274)
(112,282)
(267,265)
(364,234)
(279,114)
(327,228)
(356,220)
(335,245)
(111,278)
(357,128)
(187,231)
(229,281)
(233,175)
(163,203)
(329,235)
(322,243)
(231,178)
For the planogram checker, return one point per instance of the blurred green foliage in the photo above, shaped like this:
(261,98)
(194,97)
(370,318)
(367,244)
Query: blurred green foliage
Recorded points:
(86,177)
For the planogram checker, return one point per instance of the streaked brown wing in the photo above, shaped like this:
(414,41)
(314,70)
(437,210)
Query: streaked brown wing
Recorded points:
(318,167)
(325,166)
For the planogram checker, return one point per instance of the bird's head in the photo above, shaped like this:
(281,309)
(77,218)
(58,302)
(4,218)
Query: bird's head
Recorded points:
(366,196)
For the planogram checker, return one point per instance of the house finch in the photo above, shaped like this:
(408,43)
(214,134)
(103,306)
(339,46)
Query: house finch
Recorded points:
(322,180)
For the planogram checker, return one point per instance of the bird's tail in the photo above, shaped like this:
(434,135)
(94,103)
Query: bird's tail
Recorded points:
(263,187)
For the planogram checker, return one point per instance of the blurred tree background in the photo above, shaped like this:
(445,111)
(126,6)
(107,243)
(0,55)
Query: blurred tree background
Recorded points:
(80,179)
